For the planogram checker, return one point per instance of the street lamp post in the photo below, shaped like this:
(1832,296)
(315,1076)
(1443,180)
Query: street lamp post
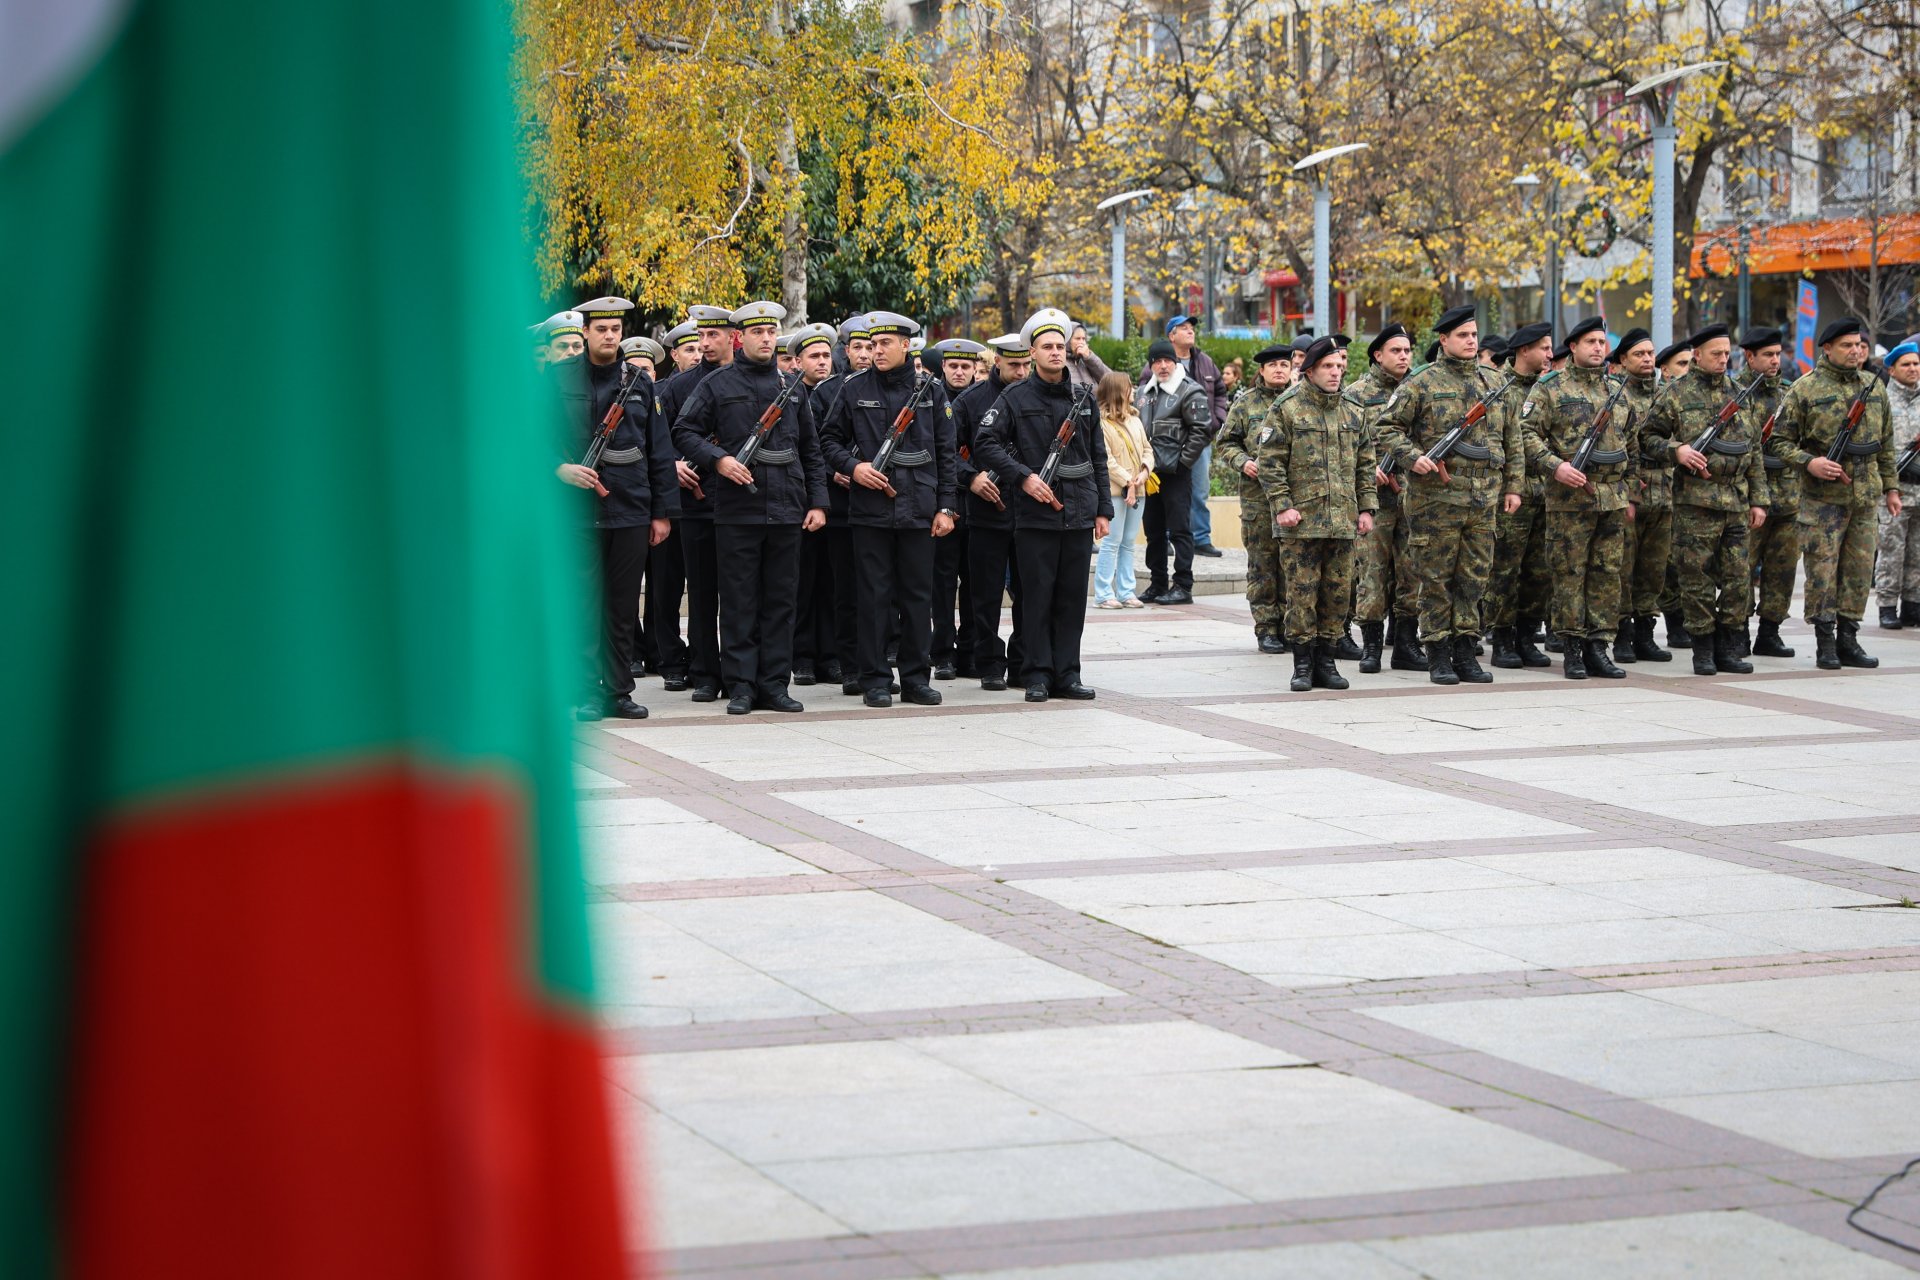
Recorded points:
(1118,281)
(1323,234)
(1659,96)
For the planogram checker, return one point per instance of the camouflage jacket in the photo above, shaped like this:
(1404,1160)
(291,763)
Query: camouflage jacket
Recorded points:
(1736,477)
(1810,416)
(1316,457)
(1651,484)
(1534,487)
(1371,390)
(1783,482)
(1232,447)
(1425,407)
(1906,425)
(1555,419)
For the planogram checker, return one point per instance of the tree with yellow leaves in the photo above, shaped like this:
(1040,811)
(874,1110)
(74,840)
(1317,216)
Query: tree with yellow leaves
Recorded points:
(670,146)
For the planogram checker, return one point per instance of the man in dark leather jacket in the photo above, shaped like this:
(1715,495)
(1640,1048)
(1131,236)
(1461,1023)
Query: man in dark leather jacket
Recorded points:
(1178,415)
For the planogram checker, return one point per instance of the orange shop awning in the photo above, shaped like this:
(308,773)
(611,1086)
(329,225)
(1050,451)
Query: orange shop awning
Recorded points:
(1807,246)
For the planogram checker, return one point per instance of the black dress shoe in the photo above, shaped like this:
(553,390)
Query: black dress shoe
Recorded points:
(1036,693)
(921,695)
(803,673)
(1075,692)
(1178,595)
(1272,644)
(705,693)
(893,656)
(676,681)
(966,670)
(993,684)
(1150,596)
(1207,549)
(777,702)
(739,704)
(590,711)
(851,688)
(944,671)
(636,668)
(877,698)
(624,708)
(830,673)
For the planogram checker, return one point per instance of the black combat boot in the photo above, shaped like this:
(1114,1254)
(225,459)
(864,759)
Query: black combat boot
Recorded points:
(1554,643)
(1523,644)
(1768,643)
(1599,663)
(1910,613)
(1464,664)
(1726,652)
(1440,662)
(1743,639)
(1848,646)
(1826,654)
(1345,646)
(1703,663)
(1573,658)
(1370,647)
(1406,646)
(1270,644)
(1645,648)
(1677,634)
(1302,668)
(1506,649)
(1325,674)
(1623,643)
(1890,618)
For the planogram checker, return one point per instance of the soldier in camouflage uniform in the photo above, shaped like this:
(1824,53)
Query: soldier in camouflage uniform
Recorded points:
(1385,593)
(1643,571)
(1587,509)
(1773,548)
(1719,495)
(1232,451)
(1450,519)
(1518,591)
(1837,526)
(1896,577)
(1316,463)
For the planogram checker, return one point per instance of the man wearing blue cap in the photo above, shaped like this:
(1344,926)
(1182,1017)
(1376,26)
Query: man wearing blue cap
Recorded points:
(1199,366)
(1896,577)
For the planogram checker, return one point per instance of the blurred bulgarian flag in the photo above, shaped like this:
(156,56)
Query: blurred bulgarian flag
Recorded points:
(293,972)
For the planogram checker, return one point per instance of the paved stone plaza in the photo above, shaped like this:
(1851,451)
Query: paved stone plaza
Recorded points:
(1210,980)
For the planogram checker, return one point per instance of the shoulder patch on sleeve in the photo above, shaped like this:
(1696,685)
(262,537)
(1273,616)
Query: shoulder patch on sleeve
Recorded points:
(1526,408)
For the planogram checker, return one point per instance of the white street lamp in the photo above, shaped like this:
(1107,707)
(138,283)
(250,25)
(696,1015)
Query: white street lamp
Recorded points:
(1118,282)
(1323,234)
(1659,93)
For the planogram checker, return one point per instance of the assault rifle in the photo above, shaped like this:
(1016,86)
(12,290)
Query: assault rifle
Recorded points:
(1728,412)
(1444,447)
(768,418)
(616,413)
(1051,466)
(904,419)
(1584,454)
(1843,438)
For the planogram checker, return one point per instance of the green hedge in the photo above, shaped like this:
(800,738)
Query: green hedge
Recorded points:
(1129,355)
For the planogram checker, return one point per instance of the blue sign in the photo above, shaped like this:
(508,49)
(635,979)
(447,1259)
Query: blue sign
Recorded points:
(1806,323)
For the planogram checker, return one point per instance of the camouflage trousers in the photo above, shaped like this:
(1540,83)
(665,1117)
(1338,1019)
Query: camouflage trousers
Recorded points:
(1584,549)
(1643,569)
(1449,555)
(1519,585)
(1265,577)
(1774,550)
(1319,586)
(1896,575)
(1710,560)
(1836,541)
(1382,554)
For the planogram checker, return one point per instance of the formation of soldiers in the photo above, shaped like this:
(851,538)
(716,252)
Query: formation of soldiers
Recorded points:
(844,505)
(850,504)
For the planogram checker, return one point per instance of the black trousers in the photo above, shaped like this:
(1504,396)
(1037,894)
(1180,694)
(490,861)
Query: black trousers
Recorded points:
(1053,603)
(893,573)
(846,600)
(1169,518)
(619,560)
(662,647)
(698,552)
(993,570)
(757,598)
(813,616)
(952,641)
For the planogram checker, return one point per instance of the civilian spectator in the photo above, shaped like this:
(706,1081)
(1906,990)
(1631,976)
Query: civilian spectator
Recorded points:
(1128,466)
